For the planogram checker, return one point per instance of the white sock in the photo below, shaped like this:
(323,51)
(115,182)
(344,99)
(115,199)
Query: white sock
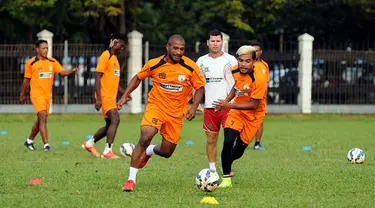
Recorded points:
(150,149)
(29,141)
(212,166)
(90,142)
(107,148)
(46,145)
(133,173)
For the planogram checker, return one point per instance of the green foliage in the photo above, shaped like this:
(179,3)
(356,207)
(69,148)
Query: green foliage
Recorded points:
(29,12)
(91,20)
(95,8)
(234,17)
(193,19)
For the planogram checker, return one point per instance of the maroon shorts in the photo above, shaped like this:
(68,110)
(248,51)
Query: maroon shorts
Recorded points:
(212,119)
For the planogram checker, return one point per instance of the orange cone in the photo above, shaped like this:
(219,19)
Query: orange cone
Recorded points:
(35,181)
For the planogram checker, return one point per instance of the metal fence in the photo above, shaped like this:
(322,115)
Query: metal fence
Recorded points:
(339,76)
(342,74)
(282,60)
(12,66)
(80,87)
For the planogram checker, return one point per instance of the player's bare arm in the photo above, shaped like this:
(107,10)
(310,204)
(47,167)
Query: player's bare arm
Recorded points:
(223,104)
(197,98)
(133,84)
(231,95)
(98,102)
(24,86)
(122,92)
(64,73)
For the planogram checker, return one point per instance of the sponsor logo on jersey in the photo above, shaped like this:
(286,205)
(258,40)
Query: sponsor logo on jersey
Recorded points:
(171,87)
(154,121)
(181,78)
(45,75)
(214,79)
(116,72)
(246,87)
(240,93)
(162,76)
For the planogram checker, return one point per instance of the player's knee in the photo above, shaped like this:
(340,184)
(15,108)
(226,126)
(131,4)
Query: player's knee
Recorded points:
(143,142)
(145,139)
(228,144)
(114,117)
(42,116)
(166,153)
(115,121)
(212,140)
(230,136)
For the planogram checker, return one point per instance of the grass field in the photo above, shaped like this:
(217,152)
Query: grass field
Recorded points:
(281,176)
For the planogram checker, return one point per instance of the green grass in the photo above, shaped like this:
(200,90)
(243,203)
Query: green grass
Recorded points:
(281,176)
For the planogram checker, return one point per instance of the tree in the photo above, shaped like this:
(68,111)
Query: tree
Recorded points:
(75,17)
(194,19)
(93,20)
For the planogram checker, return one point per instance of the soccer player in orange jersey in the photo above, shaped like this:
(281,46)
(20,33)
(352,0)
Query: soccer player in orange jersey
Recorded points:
(39,73)
(246,112)
(261,66)
(106,89)
(174,77)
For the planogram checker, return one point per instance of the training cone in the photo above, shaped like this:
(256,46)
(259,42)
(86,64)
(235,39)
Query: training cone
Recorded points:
(208,200)
(35,181)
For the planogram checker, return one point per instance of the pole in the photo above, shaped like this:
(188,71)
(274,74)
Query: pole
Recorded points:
(147,49)
(66,77)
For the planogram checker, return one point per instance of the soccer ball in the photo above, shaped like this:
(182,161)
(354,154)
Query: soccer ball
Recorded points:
(126,149)
(356,155)
(207,180)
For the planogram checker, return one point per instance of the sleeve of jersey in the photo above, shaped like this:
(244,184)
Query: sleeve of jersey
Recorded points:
(145,72)
(197,79)
(199,62)
(104,58)
(228,76)
(233,61)
(28,70)
(260,89)
(57,67)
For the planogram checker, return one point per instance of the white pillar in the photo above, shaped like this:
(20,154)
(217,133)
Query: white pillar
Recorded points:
(47,36)
(225,42)
(134,66)
(305,49)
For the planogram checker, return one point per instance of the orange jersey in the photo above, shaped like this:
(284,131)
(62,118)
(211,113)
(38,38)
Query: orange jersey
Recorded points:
(110,67)
(172,84)
(261,65)
(41,74)
(252,85)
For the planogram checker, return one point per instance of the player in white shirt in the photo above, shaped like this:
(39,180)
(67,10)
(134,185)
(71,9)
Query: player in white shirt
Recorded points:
(216,67)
